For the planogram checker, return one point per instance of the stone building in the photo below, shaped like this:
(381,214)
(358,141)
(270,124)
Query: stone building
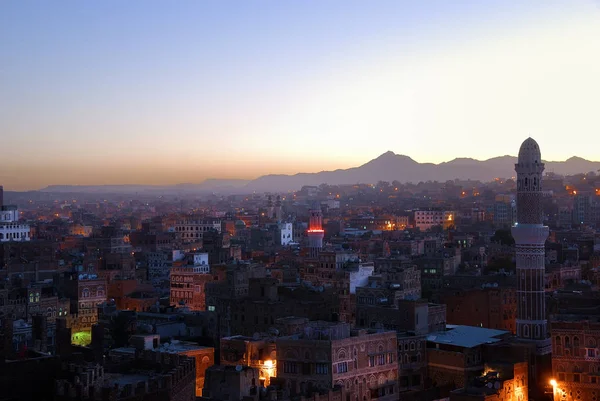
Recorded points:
(329,354)
(498,382)
(575,357)
(259,352)
(148,376)
(491,307)
(455,356)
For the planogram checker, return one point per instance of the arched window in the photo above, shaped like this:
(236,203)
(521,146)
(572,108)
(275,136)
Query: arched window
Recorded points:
(557,341)
(576,342)
(567,342)
(85,293)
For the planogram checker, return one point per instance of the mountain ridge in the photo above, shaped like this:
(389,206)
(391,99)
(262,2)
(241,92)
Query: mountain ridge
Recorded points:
(389,166)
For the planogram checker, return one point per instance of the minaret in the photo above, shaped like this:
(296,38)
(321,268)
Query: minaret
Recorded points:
(315,232)
(269,207)
(277,213)
(530,236)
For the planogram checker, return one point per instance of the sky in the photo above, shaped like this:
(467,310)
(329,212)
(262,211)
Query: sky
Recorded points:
(159,92)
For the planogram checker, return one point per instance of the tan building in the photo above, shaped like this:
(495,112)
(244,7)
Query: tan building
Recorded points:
(499,382)
(330,354)
(259,353)
(575,357)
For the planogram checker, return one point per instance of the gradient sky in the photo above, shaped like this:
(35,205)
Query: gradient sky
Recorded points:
(159,92)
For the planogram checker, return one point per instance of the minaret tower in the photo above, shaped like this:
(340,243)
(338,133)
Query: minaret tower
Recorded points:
(315,231)
(530,236)
(278,210)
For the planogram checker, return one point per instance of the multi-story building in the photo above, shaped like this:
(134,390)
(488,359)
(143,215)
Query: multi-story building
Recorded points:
(192,229)
(188,282)
(427,219)
(286,233)
(86,292)
(491,306)
(329,354)
(499,381)
(505,211)
(455,355)
(255,352)
(575,357)
(10,227)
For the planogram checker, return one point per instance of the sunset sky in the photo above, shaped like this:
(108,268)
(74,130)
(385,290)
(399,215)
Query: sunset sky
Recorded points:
(159,92)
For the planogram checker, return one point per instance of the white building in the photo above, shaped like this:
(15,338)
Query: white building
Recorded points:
(201,263)
(360,276)
(427,219)
(10,228)
(286,233)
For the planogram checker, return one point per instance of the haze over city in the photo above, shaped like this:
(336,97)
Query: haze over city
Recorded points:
(146,93)
(286,200)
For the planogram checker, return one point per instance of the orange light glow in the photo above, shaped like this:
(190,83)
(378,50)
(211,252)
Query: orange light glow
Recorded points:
(316,231)
(553,383)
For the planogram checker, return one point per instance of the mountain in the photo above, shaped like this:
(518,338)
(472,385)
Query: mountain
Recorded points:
(387,167)
(390,166)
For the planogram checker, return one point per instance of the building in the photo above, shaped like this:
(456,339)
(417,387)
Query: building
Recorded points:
(505,211)
(147,376)
(203,356)
(499,381)
(329,354)
(455,356)
(489,306)
(86,292)
(315,232)
(286,233)
(530,237)
(257,352)
(231,383)
(427,219)
(188,282)
(575,357)
(10,227)
(193,229)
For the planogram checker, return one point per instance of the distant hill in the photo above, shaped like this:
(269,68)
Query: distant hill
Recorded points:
(390,166)
(387,167)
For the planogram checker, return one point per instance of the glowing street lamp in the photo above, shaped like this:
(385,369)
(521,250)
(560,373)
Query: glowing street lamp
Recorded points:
(553,383)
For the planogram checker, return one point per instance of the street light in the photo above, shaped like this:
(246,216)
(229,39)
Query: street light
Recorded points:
(553,383)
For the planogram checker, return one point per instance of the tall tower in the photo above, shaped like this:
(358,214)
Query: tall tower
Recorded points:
(315,231)
(278,210)
(530,236)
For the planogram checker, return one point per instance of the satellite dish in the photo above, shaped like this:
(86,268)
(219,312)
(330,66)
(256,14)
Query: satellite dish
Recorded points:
(497,385)
(238,368)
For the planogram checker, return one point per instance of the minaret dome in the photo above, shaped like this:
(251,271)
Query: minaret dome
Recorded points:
(529,153)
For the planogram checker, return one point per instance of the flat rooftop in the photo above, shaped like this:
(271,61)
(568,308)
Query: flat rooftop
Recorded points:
(466,336)
(124,379)
(176,347)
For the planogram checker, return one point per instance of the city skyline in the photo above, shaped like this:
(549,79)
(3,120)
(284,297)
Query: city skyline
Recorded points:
(117,93)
